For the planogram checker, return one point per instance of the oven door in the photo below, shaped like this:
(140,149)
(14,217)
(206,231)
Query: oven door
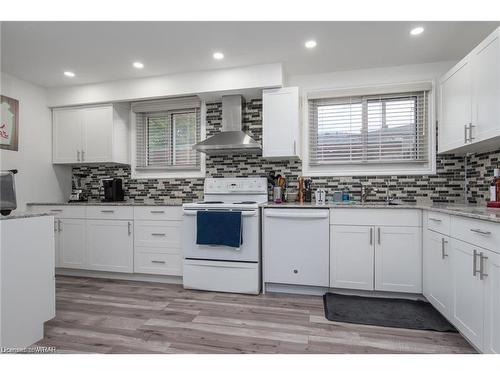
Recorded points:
(247,252)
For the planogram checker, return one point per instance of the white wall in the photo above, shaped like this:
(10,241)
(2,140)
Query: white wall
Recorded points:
(38,180)
(370,77)
(243,79)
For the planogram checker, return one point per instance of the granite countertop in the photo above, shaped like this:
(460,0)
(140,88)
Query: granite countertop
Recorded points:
(470,211)
(22,215)
(99,203)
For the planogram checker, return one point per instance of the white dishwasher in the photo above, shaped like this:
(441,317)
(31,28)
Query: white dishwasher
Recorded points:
(296,246)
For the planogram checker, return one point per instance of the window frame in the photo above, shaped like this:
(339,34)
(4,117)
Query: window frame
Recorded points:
(168,172)
(371,168)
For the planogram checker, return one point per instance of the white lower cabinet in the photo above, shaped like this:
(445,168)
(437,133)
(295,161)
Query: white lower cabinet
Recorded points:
(157,247)
(398,259)
(437,275)
(70,243)
(351,257)
(110,245)
(492,304)
(383,258)
(468,292)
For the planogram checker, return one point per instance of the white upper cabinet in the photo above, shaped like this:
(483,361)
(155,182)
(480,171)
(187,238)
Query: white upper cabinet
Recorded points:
(456,107)
(281,123)
(91,134)
(470,101)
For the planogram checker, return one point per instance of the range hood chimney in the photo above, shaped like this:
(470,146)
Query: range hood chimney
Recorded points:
(232,139)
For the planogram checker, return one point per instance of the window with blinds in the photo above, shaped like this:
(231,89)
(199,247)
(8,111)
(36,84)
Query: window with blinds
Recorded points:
(389,128)
(165,134)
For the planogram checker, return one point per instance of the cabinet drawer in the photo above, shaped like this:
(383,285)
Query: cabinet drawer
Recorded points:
(376,216)
(158,213)
(478,232)
(157,263)
(438,222)
(61,211)
(110,212)
(158,234)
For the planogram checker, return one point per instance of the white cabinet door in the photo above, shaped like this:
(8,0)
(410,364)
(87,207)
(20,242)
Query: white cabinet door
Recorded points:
(492,304)
(110,245)
(98,134)
(296,246)
(72,252)
(351,257)
(398,259)
(485,62)
(437,272)
(455,107)
(468,292)
(67,135)
(280,122)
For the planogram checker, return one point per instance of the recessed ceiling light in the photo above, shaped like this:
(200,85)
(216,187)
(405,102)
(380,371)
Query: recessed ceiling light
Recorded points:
(138,65)
(218,55)
(417,30)
(310,44)
(69,74)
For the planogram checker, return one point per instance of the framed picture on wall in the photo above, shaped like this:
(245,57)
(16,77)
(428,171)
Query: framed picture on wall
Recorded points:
(9,123)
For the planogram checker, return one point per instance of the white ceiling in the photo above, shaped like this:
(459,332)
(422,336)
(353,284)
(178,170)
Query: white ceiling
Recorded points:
(104,51)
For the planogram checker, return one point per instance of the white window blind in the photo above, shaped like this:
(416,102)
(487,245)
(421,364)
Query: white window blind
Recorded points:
(388,128)
(165,133)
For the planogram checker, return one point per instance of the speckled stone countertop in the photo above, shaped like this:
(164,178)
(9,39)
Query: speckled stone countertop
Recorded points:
(22,215)
(470,211)
(98,203)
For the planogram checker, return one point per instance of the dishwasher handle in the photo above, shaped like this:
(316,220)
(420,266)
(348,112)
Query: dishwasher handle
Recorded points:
(299,215)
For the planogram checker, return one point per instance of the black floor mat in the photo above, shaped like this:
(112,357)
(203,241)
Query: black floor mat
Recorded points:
(386,312)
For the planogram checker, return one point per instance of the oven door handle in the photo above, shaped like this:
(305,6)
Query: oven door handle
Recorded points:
(243,213)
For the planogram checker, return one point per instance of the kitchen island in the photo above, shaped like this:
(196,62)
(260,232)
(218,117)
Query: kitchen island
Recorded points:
(27,280)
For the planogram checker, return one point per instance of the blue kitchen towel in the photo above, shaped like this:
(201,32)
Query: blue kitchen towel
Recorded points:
(219,228)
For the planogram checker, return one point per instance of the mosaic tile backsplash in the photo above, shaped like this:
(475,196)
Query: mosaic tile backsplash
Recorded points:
(447,185)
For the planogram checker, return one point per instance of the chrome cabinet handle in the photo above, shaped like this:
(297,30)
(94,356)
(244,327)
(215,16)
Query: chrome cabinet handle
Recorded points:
(465,133)
(129,227)
(107,211)
(157,212)
(78,155)
(54,210)
(294,147)
(474,263)
(471,138)
(55,225)
(371,236)
(379,240)
(482,275)
(436,220)
(480,231)
(158,261)
(83,157)
(443,245)
(59,226)
(158,234)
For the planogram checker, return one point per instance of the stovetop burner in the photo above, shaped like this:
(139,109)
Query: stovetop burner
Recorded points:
(211,202)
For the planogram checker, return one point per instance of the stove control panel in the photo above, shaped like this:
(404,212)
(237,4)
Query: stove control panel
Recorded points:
(241,185)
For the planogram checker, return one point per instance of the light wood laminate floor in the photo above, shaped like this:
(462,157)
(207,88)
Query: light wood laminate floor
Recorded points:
(111,316)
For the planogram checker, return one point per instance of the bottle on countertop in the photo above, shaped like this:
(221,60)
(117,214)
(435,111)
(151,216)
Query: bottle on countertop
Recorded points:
(496,173)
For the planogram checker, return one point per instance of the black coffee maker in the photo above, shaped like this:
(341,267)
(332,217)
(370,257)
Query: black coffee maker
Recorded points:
(113,190)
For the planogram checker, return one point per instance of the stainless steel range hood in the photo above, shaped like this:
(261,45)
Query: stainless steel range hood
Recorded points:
(232,139)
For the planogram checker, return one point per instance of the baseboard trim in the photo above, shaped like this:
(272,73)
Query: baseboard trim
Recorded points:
(120,276)
(319,291)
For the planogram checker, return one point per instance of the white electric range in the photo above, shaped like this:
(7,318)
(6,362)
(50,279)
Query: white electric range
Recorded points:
(224,268)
